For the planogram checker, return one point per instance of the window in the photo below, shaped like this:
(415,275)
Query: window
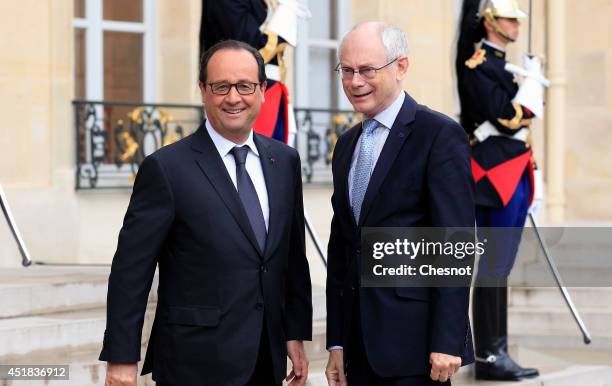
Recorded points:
(114,50)
(316,55)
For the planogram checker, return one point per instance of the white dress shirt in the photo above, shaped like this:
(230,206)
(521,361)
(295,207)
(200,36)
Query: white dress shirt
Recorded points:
(385,118)
(253,165)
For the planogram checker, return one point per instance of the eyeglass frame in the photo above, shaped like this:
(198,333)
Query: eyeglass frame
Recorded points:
(234,85)
(375,70)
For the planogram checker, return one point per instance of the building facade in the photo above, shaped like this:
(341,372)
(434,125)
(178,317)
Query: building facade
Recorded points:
(55,52)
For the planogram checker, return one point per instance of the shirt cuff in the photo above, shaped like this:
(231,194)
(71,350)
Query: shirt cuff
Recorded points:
(332,348)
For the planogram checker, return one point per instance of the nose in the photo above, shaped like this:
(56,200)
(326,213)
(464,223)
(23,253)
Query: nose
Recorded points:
(357,80)
(233,96)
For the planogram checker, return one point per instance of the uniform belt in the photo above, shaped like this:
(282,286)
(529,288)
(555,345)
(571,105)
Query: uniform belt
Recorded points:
(487,129)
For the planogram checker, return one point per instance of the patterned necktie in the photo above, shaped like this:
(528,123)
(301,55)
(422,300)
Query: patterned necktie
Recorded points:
(248,196)
(363,166)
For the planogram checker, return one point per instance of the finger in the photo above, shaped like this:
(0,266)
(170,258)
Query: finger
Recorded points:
(290,376)
(332,377)
(342,378)
(444,376)
(435,374)
(304,375)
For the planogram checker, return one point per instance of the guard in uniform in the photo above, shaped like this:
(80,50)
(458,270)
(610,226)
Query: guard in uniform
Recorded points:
(496,113)
(270,26)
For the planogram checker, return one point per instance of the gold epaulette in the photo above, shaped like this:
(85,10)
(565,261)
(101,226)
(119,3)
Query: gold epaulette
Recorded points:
(477,59)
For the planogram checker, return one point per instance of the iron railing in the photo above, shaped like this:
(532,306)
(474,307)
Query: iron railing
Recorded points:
(317,133)
(112,138)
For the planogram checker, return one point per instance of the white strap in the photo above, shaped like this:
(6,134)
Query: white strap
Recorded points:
(487,129)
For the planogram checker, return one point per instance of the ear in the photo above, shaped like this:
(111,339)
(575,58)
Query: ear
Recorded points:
(488,26)
(202,87)
(402,67)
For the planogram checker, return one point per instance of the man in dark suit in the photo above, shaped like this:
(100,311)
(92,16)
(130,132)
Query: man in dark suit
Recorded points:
(405,166)
(221,213)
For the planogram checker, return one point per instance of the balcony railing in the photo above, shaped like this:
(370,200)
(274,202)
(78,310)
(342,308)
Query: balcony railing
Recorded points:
(317,133)
(112,138)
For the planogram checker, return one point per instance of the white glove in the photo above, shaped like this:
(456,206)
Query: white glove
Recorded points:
(531,91)
(284,21)
(538,192)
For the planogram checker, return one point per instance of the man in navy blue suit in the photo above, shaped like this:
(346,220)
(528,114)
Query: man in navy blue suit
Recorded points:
(220,213)
(405,166)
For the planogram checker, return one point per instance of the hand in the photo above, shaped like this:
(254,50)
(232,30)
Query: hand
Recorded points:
(532,64)
(121,374)
(334,371)
(297,355)
(443,366)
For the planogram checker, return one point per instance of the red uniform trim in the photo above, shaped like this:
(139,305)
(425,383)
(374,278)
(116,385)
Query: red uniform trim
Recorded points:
(506,176)
(276,97)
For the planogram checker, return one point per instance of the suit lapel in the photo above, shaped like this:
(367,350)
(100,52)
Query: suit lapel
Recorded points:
(209,161)
(273,184)
(399,133)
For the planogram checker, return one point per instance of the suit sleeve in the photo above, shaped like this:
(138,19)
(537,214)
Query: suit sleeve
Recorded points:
(237,21)
(451,204)
(495,102)
(145,226)
(299,291)
(336,270)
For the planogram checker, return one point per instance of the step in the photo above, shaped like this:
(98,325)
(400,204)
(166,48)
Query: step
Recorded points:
(538,274)
(41,290)
(318,303)
(591,297)
(85,368)
(29,334)
(558,320)
(570,376)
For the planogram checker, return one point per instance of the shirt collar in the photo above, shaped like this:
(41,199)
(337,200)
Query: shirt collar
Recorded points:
(224,145)
(493,45)
(388,115)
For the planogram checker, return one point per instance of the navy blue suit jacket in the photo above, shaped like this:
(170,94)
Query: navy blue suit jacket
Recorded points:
(422,178)
(216,287)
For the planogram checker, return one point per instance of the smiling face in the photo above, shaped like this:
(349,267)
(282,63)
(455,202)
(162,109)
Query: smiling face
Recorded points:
(370,96)
(232,115)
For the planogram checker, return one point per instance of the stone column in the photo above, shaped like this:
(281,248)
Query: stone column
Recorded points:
(555,111)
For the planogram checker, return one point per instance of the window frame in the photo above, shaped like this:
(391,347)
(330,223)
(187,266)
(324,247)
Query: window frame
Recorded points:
(342,13)
(94,26)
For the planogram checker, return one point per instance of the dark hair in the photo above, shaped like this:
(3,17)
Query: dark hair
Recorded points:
(231,45)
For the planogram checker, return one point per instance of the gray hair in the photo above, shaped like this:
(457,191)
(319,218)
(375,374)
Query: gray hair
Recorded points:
(394,40)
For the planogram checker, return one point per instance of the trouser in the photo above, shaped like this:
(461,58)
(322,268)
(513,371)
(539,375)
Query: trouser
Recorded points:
(263,374)
(490,295)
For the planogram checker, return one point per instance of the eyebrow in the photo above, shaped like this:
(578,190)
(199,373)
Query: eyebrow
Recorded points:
(361,66)
(239,81)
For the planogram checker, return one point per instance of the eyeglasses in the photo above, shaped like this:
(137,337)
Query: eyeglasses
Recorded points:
(347,73)
(243,88)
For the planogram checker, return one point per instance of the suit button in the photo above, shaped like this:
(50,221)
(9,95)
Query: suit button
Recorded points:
(359,251)
(263,268)
(259,306)
(352,288)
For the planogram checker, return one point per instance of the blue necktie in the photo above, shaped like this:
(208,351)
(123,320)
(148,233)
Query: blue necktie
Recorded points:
(248,196)
(363,166)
